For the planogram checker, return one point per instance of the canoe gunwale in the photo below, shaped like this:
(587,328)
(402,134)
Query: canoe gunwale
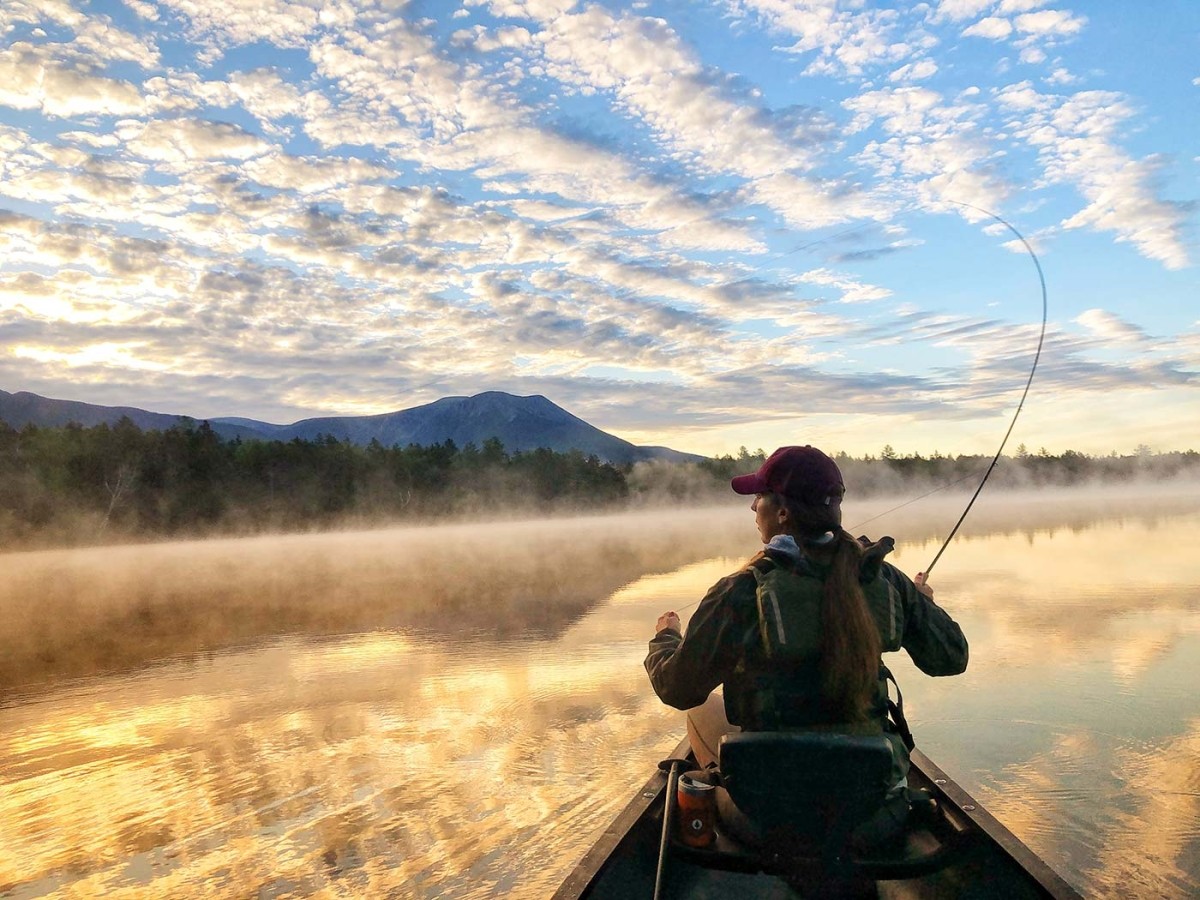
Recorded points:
(594,860)
(952,796)
(956,803)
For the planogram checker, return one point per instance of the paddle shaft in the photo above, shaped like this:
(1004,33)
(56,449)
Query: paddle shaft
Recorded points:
(668,809)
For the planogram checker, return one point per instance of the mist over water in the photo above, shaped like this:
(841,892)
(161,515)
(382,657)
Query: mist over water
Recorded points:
(459,711)
(75,612)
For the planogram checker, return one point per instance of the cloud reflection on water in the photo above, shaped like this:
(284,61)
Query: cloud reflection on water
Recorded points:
(308,765)
(1075,723)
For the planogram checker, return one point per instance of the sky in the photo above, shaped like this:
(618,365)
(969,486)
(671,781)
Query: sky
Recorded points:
(703,224)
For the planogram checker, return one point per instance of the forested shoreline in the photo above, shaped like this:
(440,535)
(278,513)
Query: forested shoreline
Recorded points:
(74,485)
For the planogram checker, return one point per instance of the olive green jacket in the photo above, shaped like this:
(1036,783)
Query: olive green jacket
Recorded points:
(723,635)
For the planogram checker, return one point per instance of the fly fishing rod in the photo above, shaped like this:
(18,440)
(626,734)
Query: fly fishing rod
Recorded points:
(1036,357)
(1020,405)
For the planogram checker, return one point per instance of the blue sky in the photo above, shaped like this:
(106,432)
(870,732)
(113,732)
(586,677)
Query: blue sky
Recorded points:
(699,224)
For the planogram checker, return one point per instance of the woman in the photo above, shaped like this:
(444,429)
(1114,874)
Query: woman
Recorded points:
(795,637)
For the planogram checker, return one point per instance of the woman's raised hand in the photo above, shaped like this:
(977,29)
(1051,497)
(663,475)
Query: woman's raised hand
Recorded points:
(668,620)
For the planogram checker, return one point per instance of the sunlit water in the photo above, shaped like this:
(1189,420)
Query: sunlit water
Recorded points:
(439,761)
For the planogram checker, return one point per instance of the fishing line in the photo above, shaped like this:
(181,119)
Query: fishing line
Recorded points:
(913,500)
(824,240)
(1036,357)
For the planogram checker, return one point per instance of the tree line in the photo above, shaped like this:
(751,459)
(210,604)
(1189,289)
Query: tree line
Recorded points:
(71,484)
(74,484)
(891,472)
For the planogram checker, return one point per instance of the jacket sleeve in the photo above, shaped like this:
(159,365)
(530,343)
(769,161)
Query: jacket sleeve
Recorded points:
(685,670)
(934,640)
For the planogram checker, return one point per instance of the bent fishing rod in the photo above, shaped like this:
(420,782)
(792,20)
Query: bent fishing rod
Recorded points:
(1020,405)
(1025,393)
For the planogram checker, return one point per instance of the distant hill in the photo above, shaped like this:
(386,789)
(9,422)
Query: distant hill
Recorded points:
(520,423)
(23,408)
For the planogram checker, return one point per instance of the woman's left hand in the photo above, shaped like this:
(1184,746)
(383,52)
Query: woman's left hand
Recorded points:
(668,620)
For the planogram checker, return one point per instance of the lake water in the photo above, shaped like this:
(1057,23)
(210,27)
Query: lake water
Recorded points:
(458,712)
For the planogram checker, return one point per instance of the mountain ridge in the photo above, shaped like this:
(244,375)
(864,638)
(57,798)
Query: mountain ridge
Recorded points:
(520,423)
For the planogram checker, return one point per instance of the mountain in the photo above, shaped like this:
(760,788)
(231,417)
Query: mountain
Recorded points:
(520,423)
(23,408)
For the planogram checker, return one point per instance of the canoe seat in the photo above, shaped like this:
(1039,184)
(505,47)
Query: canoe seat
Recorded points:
(816,802)
(807,783)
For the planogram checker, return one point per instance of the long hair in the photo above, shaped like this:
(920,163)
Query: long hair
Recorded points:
(850,643)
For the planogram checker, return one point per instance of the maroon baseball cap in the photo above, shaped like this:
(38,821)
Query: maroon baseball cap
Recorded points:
(802,473)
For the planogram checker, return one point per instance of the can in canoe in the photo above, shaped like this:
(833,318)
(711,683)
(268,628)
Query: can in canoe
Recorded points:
(697,801)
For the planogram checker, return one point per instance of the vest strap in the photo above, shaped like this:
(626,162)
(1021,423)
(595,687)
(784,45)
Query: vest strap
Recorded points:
(896,708)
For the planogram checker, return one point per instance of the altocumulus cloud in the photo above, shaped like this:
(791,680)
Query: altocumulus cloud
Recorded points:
(280,208)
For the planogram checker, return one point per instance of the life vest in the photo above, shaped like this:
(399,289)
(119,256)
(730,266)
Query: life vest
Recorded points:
(779,683)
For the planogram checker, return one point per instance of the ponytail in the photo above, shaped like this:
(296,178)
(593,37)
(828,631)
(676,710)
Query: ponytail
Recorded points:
(850,645)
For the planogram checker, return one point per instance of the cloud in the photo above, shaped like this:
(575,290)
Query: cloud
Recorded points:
(806,203)
(656,77)
(238,22)
(546,196)
(702,120)
(846,41)
(1075,136)
(1013,7)
(1061,76)
(1010,7)
(486,40)
(1111,327)
(143,9)
(917,71)
(959,10)
(30,80)
(95,40)
(311,175)
(265,95)
(996,29)
(527,9)
(1050,22)
(933,150)
(852,291)
(264,322)
(1045,24)
(445,119)
(185,140)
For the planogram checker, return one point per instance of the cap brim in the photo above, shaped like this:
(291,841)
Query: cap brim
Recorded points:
(748,484)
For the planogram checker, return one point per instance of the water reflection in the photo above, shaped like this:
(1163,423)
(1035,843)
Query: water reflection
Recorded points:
(1076,722)
(295,768)
(417,762)
(376,764)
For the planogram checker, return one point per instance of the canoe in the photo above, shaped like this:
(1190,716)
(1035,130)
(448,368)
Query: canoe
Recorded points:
(623,863)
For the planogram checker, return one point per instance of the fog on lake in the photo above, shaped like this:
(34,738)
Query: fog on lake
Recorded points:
(459,711)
